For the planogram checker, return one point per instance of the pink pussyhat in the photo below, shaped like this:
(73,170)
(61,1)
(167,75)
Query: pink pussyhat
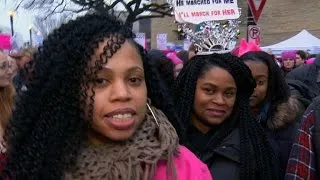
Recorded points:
(235,51)
(174,58)
(310,60)
(245,47)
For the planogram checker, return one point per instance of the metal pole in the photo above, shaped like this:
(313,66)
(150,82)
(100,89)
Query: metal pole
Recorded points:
(250,21)
(11,23)
(30,34)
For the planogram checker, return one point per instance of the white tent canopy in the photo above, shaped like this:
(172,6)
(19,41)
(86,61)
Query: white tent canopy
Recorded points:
(302,41)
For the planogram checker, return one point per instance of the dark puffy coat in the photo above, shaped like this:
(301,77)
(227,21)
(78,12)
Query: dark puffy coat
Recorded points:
(281,128)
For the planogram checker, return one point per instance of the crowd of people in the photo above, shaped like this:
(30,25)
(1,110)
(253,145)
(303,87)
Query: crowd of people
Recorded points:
(95,105)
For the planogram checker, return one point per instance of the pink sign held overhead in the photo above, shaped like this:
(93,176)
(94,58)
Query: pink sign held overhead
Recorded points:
(5,41)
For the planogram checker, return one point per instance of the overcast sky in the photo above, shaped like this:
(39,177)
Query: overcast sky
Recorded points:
(21,20)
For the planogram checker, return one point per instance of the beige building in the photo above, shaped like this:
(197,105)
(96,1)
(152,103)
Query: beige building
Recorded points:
(280,20)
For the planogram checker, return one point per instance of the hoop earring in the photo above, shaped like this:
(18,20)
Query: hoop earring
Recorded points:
(153,115)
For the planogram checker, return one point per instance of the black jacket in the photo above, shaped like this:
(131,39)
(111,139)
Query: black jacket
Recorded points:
(305,82)
(224,160)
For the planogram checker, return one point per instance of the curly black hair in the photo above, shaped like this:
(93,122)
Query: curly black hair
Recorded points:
(50,122)
(257,158)
(278,90)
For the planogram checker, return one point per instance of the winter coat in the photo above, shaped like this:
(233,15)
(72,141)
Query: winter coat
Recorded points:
(305,81)
(304,161)
(188,167)
(281,128)
(222,161)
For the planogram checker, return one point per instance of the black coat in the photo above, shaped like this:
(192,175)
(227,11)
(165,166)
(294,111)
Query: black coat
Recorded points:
(281,127)
(305,82)
(224,160)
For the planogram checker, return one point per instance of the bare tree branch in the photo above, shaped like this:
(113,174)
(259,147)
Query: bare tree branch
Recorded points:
(60,4)
(31,3)
(54,10)
(114,4)
(45,26)
(120,13)
(131,3)
(128,8)
(137,6)
(74,11)
(134,9)
(19,4)
(153,7)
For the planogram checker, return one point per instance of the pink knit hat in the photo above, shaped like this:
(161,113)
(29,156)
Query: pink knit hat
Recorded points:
(174,58)
(245,47)
(291,54)
(310,60)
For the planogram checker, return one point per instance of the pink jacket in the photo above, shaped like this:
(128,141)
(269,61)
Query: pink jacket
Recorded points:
(188,167)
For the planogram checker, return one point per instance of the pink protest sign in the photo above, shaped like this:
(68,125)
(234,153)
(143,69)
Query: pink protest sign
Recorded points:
(5,41)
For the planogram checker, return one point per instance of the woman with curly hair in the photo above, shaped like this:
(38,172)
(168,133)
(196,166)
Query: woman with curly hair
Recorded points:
(212,100)
(86,114)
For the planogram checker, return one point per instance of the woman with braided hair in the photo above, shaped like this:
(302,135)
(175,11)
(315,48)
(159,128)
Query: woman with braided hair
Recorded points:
(277,111)
(87,113)
(212,100)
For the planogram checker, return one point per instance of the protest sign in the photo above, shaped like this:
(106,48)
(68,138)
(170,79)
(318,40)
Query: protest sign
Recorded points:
(141,39)
(197,11)
(162,41)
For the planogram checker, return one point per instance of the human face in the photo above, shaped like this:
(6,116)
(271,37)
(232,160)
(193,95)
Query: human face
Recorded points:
(260,73)
(177,69)
(120,95)
(215,96)
(12,67)
(5,70)
(288,63)
(299,60)
(23,60)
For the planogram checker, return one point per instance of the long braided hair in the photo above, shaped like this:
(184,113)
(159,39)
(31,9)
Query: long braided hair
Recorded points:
(257,158)
(278,90)
(50,122)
